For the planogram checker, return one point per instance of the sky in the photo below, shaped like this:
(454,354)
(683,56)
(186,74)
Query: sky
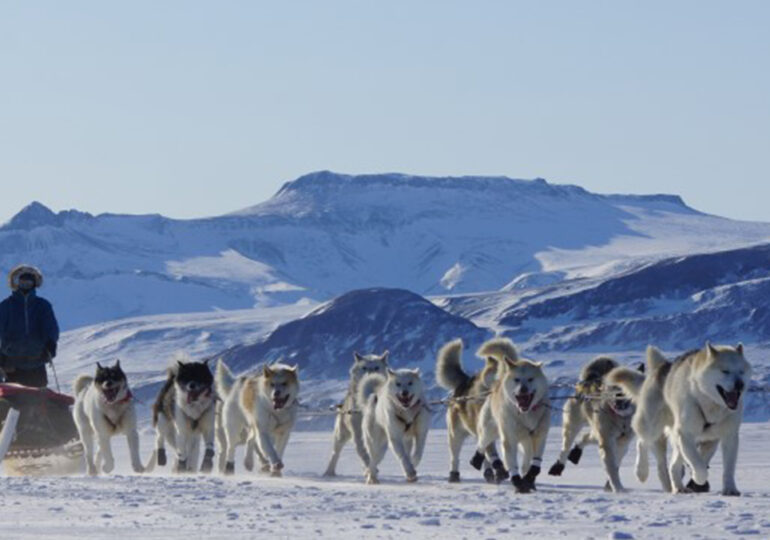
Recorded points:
(193,109)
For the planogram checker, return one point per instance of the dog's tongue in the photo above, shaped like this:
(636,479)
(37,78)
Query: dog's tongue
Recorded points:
(111,394)
(279,402)
(524,401)
(731,398)
(405,400)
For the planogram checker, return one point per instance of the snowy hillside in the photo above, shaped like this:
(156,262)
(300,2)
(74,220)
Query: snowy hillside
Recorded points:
(325,234)
(368,321)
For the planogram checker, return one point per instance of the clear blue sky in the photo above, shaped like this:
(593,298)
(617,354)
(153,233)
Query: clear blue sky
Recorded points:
(199,108)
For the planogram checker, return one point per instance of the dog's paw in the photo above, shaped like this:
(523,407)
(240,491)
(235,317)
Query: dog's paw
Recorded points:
(693,487)
(411,478)
(489,475)
(731,492)
(329,474)
(207,466)
(162,459)
(501,474)
(556,469)
(454,477)
(230,468)
(520,484)
(477,460)
(575,454)
(108,466)
(181,466)
(372,480)
(138,468)
(91,469)
(248,463)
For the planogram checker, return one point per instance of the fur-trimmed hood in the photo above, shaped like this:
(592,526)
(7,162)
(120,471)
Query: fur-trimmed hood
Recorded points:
(13,276)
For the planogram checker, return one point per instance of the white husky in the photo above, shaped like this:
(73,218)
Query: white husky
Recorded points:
(262,408)
(229,412)
(518,412)
(348,422)
(698,402)
(395,414)
(103,408)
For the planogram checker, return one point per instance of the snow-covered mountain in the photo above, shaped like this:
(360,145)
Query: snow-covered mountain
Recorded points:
(325,234)
(368,321)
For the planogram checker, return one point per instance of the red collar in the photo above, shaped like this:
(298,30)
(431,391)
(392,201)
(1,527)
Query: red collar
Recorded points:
(129,397)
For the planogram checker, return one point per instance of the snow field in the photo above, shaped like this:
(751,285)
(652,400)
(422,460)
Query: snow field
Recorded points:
(302,504)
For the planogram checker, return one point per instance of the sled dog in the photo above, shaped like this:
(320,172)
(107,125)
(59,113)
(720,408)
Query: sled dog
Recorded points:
(607,413)
(518,411)
(103,408)
(229,408)
(182,414)
(348,421)
(262,408)
(697,402)
(394,415)
(468,393)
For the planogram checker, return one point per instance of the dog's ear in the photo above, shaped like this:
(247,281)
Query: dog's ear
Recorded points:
(179,364)
(417,371)
(385,356)
(99,366)
(266,371)
(739,348)
(206,362)
(294,369)
(391,373)
(117,363)
(357,358)
(538,364)
(711,349)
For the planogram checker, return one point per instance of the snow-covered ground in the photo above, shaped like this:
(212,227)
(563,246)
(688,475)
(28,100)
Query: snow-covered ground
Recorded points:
(304,505)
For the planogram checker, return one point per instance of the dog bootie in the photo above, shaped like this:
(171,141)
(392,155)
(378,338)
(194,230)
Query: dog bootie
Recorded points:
(575,454)
(698,488)
(556,469)
(454,477)
(162,457)
(477,460)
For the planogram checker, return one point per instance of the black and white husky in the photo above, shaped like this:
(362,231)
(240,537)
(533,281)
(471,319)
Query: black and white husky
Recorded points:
(348,423)
(183,413)
(103,408)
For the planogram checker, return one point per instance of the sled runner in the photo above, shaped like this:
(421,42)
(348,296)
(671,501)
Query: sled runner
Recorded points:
(37,435)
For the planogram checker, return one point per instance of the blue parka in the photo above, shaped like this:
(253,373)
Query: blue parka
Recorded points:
(28,331)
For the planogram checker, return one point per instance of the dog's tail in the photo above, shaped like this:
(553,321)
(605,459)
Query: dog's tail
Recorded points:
(81,383)
(499,349)
(449,369)
(655,360)
(631,380)
(368,386)
(223,379)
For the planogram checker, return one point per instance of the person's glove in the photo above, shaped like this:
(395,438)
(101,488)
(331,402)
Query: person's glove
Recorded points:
(51,347)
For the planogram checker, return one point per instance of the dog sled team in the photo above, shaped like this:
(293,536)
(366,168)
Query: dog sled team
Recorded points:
(693,403)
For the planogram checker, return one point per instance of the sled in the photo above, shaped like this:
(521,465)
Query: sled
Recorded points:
(38,435)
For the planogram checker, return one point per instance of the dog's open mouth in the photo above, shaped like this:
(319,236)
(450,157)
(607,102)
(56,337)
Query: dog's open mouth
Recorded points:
(405,400)
(279,402)
(730,398)
(524,401)
(110,393)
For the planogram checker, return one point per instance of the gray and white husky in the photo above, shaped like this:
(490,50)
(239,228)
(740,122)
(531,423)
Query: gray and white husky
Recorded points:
(262,408)
(607,413)
(469,393)
(183,414)
(697,402)
(395,415)
(518,412)
(104,407)
(348,422)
